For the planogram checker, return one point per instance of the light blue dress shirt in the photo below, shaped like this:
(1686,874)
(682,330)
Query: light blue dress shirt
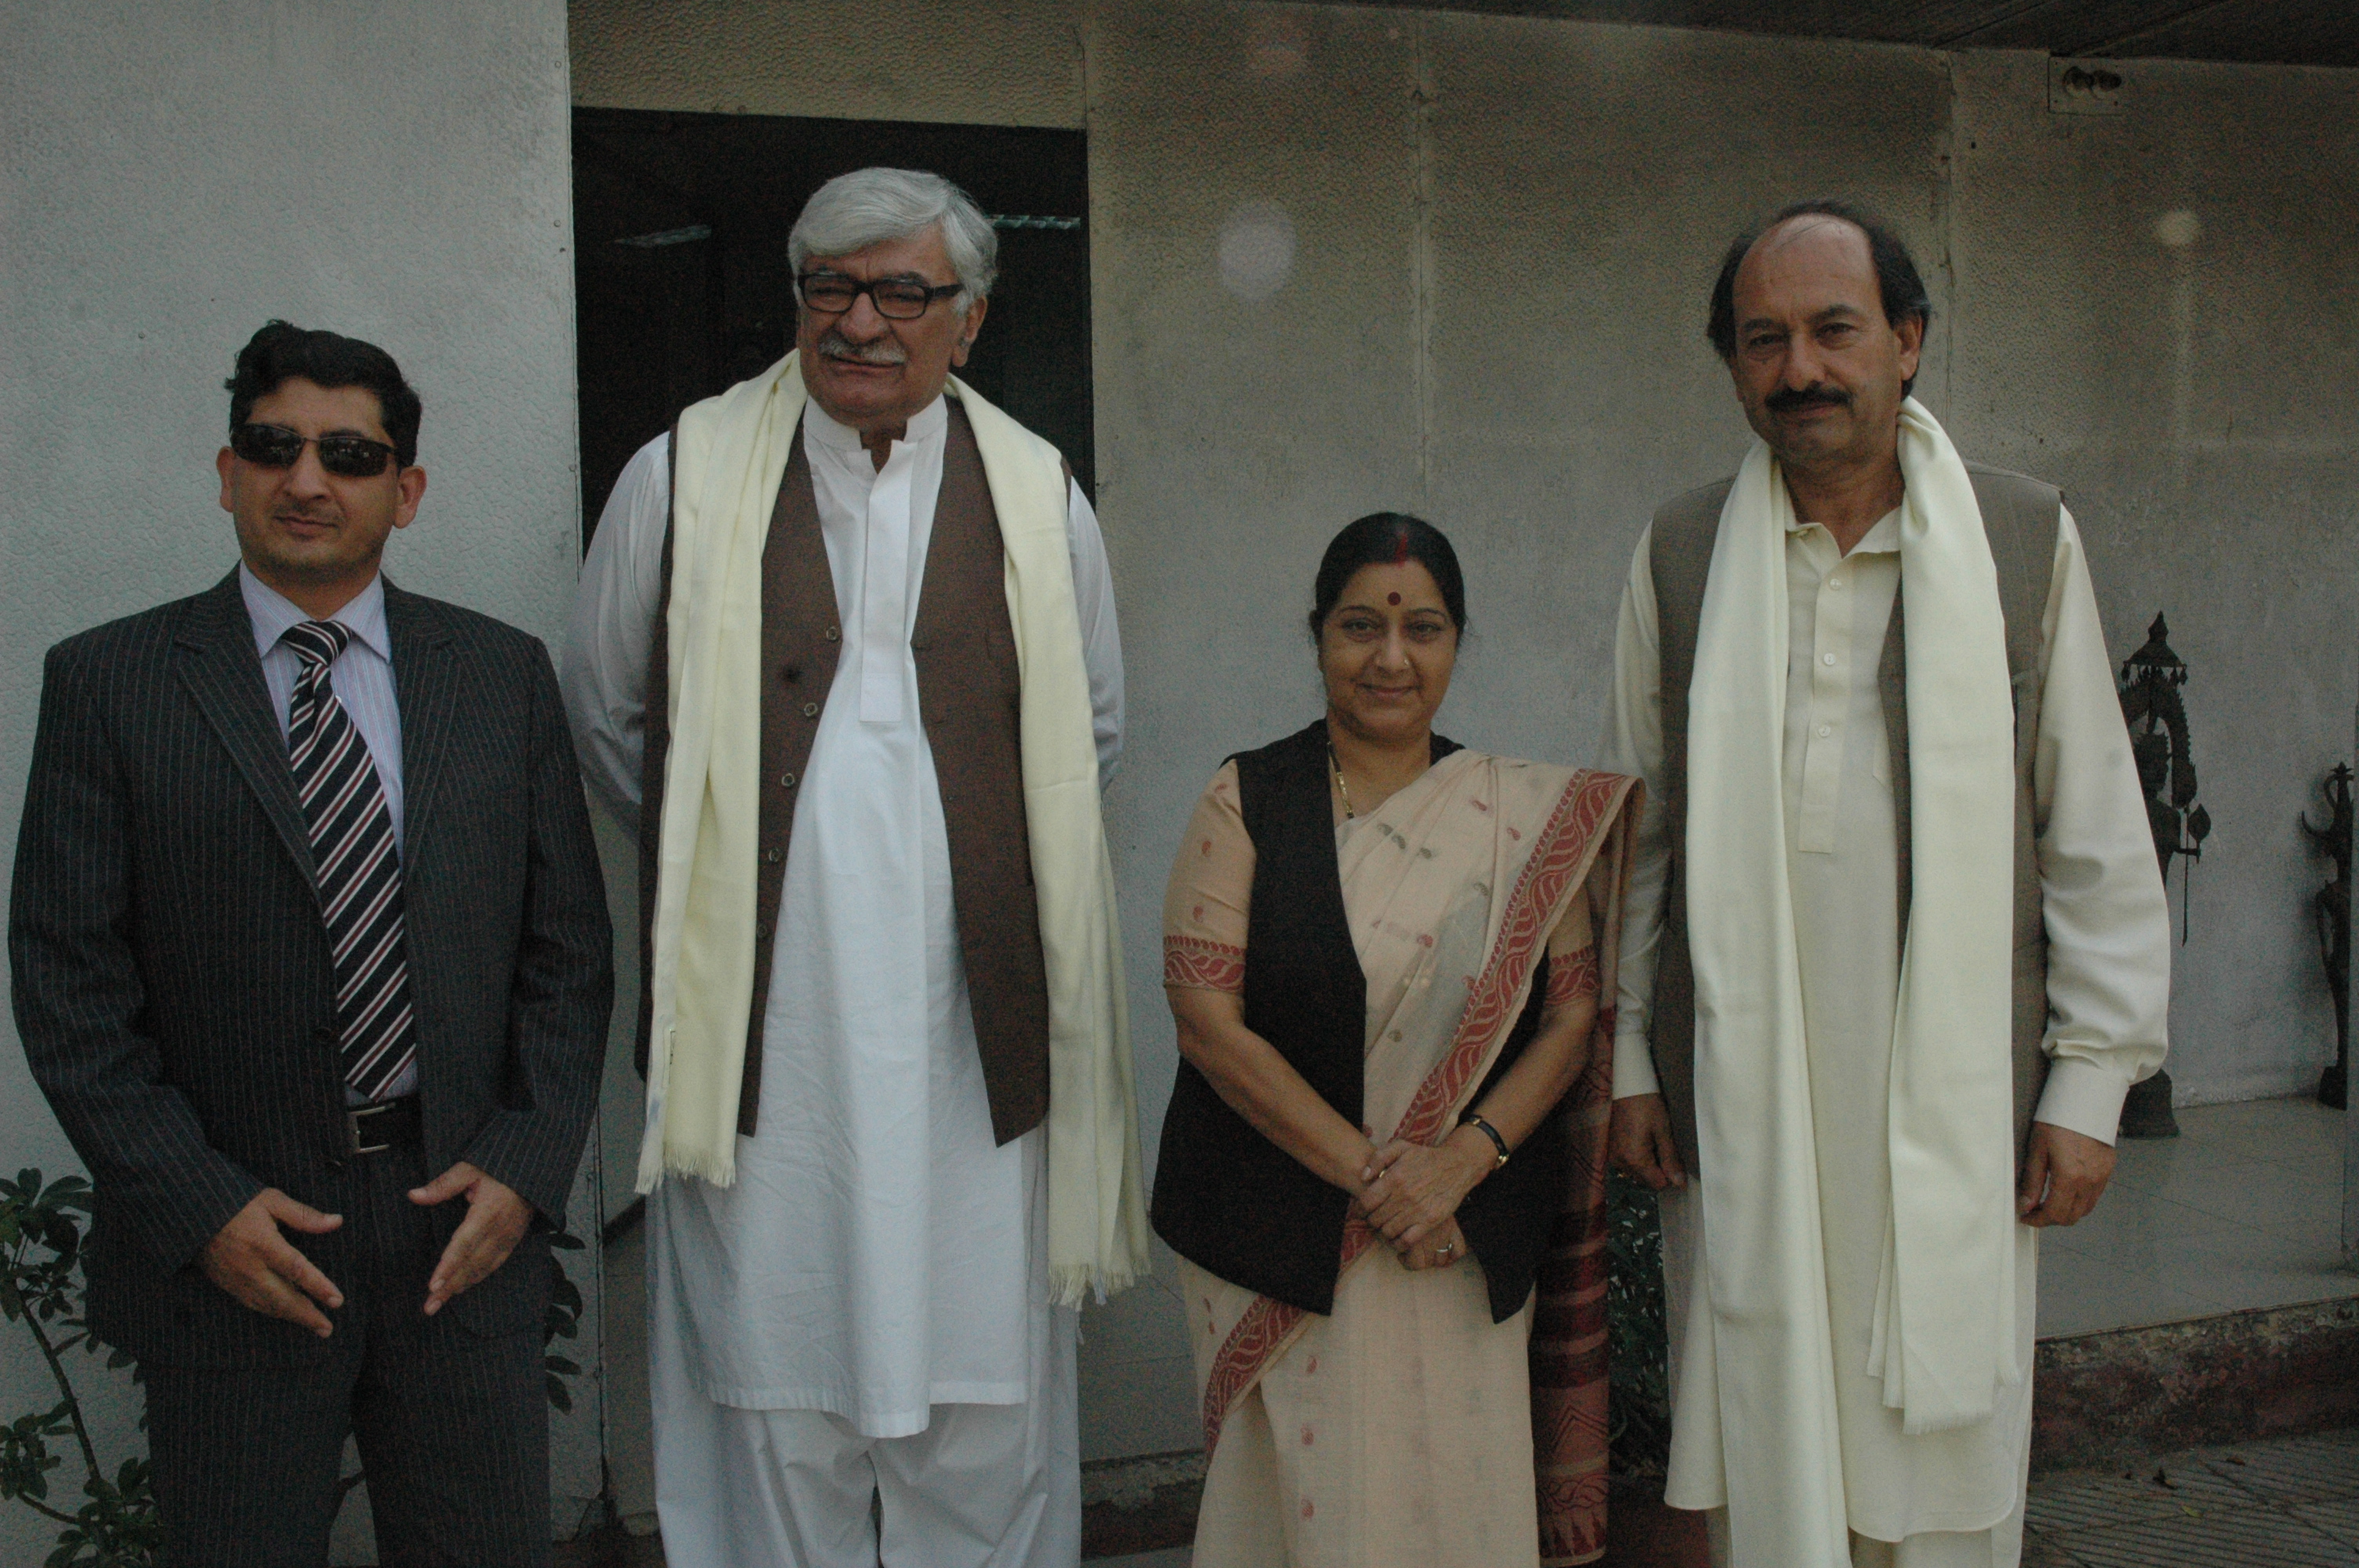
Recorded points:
(362,674)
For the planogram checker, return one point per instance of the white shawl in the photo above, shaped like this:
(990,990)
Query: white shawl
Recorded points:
(1945,1312)
(732,457)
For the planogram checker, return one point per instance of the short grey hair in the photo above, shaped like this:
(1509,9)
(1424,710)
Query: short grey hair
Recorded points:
(871,206)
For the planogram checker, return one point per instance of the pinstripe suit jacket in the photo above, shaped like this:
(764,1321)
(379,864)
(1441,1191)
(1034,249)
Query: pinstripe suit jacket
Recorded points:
(173,982)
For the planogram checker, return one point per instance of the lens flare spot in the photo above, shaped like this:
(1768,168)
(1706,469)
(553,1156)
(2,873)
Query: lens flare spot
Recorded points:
(1257,250)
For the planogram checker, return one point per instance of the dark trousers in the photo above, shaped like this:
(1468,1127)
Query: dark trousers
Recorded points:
(453,1427)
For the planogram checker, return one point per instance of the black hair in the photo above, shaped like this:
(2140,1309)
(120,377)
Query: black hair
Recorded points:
(1384,539)
(1896,278)
(280,353)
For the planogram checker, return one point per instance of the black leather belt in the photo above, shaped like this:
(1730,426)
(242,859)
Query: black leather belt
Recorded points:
(387,1124)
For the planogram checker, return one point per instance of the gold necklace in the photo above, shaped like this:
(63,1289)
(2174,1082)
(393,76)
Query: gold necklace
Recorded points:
(1341,787)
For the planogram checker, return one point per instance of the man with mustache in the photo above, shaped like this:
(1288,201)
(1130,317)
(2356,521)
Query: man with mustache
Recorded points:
(313,961)
(1895,947)
(845,648)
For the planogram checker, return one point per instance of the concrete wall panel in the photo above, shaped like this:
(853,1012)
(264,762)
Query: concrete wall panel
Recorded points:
(975,62)
(1584,184)
(2158,311)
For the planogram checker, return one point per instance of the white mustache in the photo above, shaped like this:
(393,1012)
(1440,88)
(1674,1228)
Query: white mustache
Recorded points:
(884,351)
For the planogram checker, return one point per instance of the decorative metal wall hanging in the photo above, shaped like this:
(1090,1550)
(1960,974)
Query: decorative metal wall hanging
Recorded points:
(2331,907)
(2151,706)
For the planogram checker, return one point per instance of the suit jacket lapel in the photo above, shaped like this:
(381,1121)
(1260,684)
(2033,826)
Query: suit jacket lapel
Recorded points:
(219,667)
(425,684)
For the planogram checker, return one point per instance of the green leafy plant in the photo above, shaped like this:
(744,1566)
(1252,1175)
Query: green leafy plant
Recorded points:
(1640,1420)
(40,1286)
(40,1266)
(563,1322)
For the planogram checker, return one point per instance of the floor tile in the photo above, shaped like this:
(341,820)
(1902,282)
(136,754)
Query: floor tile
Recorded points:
(2339,1519)
(2080,1293)
(2244,1538)
(2229,1187)
(2085,1501)
(2261,1272)
(2039,1551)
(2295,1131)
(2244,1210)
(2292,1469)
(2141,1227)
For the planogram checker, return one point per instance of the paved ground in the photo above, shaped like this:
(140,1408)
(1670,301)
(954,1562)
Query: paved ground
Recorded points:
(2290,1503)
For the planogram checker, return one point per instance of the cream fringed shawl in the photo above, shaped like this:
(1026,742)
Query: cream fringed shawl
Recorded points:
(1944,1335)
(732,457)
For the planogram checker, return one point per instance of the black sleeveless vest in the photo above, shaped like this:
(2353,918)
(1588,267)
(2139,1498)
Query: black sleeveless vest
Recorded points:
(1228,1199)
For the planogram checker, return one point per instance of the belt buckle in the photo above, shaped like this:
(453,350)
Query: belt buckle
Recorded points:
(353,1119)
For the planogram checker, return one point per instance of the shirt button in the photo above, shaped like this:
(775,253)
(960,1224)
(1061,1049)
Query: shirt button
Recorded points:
(1823,658)
(1825,731)
(1834,582)
(811,709)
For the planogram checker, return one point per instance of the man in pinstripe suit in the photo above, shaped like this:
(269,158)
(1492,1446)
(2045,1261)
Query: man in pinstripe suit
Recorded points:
(313,961)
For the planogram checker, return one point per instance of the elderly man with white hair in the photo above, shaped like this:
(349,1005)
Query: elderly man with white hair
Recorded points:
(845,650)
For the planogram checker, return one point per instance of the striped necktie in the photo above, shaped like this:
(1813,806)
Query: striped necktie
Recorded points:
(359,867)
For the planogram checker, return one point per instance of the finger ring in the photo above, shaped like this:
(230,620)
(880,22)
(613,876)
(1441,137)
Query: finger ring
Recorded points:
(1444,1249)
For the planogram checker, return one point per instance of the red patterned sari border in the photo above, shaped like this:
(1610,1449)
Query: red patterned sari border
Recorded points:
(1203,964)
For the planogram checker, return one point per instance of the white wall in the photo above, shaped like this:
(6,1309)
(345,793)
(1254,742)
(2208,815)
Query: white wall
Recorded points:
(173,173)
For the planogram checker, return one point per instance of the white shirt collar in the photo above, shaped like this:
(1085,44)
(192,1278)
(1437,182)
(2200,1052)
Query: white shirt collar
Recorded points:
(1884,539)
(926,425)
(273,613)
(1881,539)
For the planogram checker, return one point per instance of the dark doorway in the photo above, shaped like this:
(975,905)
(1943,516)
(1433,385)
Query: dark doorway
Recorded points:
(682,284)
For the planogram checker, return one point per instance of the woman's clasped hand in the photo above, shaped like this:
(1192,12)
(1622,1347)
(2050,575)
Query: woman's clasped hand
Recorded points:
(1411,1194)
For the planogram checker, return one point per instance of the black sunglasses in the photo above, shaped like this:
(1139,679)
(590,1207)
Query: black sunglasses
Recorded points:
(277,447)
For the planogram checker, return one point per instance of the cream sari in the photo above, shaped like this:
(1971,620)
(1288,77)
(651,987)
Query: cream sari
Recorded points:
(1407,1427)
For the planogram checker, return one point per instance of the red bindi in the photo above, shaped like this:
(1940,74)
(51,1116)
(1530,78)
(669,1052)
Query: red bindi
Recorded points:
(1392,599)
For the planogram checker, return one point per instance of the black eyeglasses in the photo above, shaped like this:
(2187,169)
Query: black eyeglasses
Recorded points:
(277,447)
(896,298)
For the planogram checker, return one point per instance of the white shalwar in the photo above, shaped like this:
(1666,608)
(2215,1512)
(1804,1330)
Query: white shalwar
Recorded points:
(1954,1499)
(867,1305)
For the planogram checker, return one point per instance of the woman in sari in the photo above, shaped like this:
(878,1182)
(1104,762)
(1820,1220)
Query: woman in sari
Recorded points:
(1382,954)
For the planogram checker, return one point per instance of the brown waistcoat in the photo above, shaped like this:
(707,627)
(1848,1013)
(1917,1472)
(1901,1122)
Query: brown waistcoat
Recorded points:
(2020,516)
(969,696)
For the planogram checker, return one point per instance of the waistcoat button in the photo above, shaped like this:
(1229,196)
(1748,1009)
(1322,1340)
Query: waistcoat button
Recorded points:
(833,634)
(786,781)
(810,710)
(772,857)
(917,642)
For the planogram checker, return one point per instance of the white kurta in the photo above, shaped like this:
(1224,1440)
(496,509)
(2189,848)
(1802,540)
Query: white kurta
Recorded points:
(877,1255)
(2108,984)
